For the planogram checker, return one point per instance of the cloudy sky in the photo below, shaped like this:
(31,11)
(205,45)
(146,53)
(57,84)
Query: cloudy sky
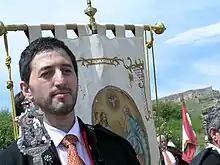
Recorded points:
(187,54)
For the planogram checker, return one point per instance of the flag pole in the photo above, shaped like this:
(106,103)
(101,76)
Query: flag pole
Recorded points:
(150,46)
(91,11)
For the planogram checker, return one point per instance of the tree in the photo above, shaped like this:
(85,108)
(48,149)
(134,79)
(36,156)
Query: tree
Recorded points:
(168,110)
(6,129)
(169,122)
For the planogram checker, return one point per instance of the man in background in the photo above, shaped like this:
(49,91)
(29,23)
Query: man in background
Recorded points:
(19,98)
(211,154)
(169,155)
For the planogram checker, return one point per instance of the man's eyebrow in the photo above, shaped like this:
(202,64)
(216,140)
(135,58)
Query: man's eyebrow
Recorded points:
(49,67)
(67,65)
(45,68)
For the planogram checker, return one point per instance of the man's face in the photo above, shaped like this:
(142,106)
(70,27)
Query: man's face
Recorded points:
(218,139)
(163,143)
(53,82)
(215,135)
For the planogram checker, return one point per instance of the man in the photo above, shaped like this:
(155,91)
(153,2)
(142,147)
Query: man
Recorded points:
(19,97)
(169,155)
(210,155)
(49,76)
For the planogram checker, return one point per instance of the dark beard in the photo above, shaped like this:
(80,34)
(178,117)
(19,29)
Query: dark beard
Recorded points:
(63,110)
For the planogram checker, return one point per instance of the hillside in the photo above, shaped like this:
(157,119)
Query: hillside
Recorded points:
(197,100)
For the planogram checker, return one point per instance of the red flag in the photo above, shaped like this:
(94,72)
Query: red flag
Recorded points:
(189,141)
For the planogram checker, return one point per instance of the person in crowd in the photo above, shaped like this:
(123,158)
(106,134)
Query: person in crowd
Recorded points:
(19,98)
(211,154)
(169,155)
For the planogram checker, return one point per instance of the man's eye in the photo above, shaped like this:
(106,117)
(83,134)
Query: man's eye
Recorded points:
(45,74)
(67,71)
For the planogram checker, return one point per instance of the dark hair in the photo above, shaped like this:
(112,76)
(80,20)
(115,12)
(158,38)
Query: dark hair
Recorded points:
(211,120)
(19,98)
(37,46)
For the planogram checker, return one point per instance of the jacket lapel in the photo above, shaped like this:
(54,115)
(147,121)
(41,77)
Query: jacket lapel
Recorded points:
(90,141)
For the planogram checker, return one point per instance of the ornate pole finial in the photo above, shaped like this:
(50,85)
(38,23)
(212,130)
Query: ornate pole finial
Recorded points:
(91,11)
(160,28)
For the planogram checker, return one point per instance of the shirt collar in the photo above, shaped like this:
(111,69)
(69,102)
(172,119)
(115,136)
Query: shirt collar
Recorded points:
(213,147)
(58,135)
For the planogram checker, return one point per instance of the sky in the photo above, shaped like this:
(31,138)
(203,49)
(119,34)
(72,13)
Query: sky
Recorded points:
(187,54)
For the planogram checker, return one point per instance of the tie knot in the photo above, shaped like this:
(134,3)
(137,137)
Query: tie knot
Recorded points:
(69,140)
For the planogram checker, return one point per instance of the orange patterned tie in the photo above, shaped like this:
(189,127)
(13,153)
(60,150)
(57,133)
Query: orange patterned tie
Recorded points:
(69,141)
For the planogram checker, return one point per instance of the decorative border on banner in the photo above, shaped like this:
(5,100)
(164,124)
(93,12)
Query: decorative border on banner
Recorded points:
(115,61)
(112,61)
(137,66)
(95,61)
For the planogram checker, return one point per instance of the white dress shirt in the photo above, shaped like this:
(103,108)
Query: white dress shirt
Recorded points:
(171,157)
(213,147)
(57,136)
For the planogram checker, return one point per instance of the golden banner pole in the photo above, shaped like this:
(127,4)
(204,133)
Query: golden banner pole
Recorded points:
(150,45)
(157,28)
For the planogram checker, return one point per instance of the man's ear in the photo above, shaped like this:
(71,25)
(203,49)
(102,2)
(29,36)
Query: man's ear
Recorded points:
(213,134)
(25,89)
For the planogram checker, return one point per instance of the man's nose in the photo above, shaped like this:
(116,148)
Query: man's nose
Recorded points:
(59,78)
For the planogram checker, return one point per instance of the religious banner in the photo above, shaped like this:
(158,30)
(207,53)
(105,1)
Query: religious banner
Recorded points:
(113,84)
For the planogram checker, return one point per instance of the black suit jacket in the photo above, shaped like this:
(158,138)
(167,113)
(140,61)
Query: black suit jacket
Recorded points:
(207,157)
(105,147)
